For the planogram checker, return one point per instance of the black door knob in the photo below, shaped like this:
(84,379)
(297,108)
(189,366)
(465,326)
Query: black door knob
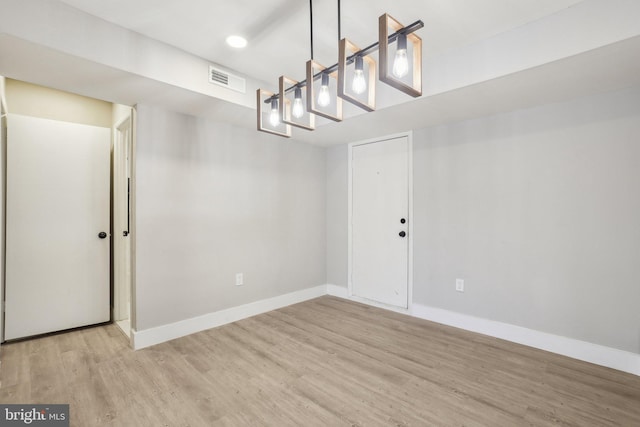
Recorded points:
(102,235)
(402,234)
(402,220)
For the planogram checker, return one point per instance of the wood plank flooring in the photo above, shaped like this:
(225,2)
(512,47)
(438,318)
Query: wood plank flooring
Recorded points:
(324,362)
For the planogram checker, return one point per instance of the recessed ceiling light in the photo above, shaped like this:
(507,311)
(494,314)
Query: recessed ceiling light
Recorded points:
(236,41)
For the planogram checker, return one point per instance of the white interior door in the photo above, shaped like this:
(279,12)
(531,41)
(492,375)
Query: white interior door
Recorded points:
(57,265)
(379,222)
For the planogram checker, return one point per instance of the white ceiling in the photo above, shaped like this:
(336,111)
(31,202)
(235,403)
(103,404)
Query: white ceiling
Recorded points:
(278,30)
(556,61)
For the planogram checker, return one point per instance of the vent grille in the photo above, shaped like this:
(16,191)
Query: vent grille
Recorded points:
(222,78)
(219,77)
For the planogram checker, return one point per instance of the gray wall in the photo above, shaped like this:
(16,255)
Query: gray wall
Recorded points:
(537,210)
(337,212)
(214,200)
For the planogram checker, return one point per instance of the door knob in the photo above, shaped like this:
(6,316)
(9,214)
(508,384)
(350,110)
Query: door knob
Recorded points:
(402,220)
(102,235)
(402,234)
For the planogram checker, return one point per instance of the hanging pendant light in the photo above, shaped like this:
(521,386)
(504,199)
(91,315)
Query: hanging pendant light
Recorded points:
(292,109)
(267,117)
(321,101)
(324,99)
(362,89)
(399,75)
(359,83)
(298,109)
(274,117)
(400,62)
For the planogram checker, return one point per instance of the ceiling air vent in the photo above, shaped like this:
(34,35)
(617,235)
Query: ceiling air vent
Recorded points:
(222,78)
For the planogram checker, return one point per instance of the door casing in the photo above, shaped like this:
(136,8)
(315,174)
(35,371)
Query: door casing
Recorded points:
(122,148)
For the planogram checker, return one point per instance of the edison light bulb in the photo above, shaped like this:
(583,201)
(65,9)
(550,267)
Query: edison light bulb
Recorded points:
(324,98)
(401,64)
(298,109)
(359,84)
(274,117)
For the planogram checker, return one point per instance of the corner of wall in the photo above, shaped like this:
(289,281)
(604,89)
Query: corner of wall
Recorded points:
(337,291)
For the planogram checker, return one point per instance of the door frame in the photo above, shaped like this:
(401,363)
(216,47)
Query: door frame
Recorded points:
(409,136)
(132,221)
(120,222)
(3,200)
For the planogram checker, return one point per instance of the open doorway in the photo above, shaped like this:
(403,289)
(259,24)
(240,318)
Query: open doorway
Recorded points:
(122,154)
(56,107)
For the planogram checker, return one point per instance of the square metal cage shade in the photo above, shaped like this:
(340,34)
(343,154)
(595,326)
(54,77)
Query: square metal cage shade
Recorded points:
(307,121)
(345,49)
(313,69)
(282,129)
(385,23)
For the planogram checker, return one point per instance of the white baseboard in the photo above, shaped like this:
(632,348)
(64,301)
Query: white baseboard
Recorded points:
(581,350)
(160,334)
(600,355)
(593,353)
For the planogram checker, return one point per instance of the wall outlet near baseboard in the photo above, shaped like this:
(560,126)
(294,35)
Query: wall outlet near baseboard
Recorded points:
(239,279)
(460,285)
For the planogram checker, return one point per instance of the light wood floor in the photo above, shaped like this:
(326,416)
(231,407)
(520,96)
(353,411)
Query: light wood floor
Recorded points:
(325,362)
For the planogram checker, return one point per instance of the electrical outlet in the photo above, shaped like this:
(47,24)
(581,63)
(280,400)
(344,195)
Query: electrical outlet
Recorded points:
(239,279)
(459,285)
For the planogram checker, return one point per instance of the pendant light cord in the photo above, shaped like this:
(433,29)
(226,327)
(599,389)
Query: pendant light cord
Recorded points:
(339,23)
(311,25)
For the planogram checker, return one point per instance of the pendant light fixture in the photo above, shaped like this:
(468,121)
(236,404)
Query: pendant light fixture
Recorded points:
(400,62)
(399,77)
(322,103)
(324,99)
(361,90)
(293,111)
(269,118)
(349,53)
(298,102)
(298,108)
(274,117)
(359,84)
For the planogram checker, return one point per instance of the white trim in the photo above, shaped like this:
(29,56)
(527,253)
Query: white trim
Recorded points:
(122,141)
(410,219)
(160,334)
(581,350)
(409,136)
(593,353)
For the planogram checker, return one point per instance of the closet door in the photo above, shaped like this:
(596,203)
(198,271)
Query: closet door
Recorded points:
(57,265)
